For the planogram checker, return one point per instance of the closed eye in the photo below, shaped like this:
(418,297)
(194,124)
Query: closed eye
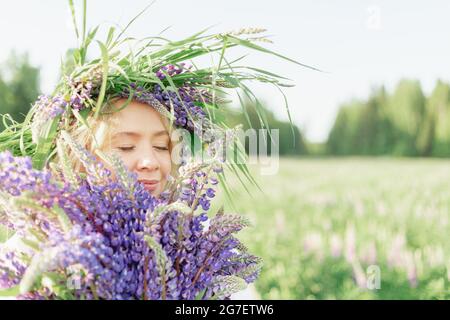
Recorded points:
(130,148)
(162,148)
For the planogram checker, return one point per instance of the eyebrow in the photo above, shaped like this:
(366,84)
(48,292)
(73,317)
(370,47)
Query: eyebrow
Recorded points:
(138,135)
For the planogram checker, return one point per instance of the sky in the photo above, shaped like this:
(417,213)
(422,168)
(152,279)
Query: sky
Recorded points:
(358,44)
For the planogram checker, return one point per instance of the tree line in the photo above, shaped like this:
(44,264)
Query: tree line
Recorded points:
(290,142)
(402,123)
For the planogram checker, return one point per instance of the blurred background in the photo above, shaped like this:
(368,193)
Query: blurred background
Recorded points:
(360,205)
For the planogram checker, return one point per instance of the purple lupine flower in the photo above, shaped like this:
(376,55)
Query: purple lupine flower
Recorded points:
(210,193)
(46,109)
(185,111)
(81,92)
(125,245)
(172,70)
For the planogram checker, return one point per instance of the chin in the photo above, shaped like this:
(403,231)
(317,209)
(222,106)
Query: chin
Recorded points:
(155,193)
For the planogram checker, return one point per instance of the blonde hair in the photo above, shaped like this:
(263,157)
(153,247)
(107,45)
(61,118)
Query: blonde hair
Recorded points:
(97,134)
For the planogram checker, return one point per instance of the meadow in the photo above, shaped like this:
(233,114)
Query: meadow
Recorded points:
(351,228)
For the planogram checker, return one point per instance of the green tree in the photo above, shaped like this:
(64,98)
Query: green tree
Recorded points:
(290,142)
(438,106)
(344,135)
(407,112)
(19,86)
(384,141)
(403,123)
(374,130)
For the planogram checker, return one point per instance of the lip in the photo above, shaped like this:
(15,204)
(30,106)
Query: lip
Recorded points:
(150,185)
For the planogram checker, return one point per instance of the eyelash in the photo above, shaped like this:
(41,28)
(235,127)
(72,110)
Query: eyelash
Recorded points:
(125,149)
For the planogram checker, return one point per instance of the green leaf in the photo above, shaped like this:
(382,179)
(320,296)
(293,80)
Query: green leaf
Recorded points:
(241,163)
(238,59)
(32,244)
(251,45)
(10,292)
(83,155)
(74,20)
(200,295)
(244,109)
(32,273)
(25,129)
(161,261)
(84,19)
(132,20)
(66,165)
(230,284)
(173,45)
(90,37)
(45,143)
(289,114)
(63,219)
(161,257)
(119,69)
(105,67)
(38,234)
(56,283)
(226,188)
(110,36)
(5,233)
(264,72)
(232,168)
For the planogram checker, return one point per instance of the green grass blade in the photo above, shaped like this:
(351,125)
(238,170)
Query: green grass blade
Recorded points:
(74,19)
(45,144)
(263,72)
(10,292)
(105,67)
(134,19)
(84,19)
(251,45)
(286,104)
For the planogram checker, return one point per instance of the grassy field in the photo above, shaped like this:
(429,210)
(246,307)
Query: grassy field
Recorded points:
(326,228)
(323,222)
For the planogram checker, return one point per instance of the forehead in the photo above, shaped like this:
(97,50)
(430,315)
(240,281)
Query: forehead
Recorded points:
(138,118)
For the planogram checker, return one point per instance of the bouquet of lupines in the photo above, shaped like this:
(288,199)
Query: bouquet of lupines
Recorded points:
(104,236)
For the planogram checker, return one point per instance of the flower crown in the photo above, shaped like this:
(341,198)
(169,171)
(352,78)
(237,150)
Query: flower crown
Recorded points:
(182,105)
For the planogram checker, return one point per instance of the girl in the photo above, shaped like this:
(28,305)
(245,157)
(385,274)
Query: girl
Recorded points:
(129,245)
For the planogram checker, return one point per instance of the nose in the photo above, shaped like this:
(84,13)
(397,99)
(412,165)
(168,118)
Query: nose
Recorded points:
(148,163)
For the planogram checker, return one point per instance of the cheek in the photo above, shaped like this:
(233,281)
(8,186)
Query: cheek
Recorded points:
(165,163)
(129,160)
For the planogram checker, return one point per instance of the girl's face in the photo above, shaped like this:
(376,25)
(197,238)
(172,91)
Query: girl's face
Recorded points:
(142,141)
